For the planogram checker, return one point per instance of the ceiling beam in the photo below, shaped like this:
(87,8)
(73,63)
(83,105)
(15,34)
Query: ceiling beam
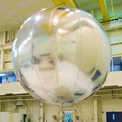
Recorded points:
(104,10)
(70,3)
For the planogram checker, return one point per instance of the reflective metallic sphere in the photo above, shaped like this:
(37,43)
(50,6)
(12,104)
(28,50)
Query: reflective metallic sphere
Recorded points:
(61,55)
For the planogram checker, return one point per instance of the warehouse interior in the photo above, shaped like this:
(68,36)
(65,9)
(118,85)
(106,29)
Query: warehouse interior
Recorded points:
(17,105)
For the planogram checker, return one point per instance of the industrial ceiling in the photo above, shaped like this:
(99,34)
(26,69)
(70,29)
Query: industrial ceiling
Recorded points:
(14,12)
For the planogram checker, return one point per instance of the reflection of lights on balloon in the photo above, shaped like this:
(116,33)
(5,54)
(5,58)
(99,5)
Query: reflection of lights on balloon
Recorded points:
(61,31)
(32,32)
(70,13)
(67,9)
(15,41)
(43,9)
(29,38)
(78,11)
(24,43)
(13,48)
(15,53)
(21,26)
(38,18)
(27,20)
(20,48)
(55,20)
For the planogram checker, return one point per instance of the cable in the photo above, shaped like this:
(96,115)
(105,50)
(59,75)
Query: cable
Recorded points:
(116,27)
(117,35)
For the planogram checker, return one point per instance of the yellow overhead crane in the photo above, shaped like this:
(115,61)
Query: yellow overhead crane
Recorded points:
(70,3)
(104,10)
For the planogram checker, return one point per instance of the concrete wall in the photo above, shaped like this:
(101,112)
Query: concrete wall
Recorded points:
(108,105)
(85,107)
(33,109)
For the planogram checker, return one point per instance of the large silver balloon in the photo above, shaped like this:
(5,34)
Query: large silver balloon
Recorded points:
(61,55)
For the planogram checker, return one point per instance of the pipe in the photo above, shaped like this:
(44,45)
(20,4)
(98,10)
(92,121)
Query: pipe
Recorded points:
(95,110)
(16,96)
(117,89)
(41,112)
(92,12)
(18,100)
(28,111)
(1,64)
(58,110)
(106,95)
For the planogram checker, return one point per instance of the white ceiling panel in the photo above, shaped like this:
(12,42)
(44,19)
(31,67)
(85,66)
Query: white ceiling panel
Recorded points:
(14,12)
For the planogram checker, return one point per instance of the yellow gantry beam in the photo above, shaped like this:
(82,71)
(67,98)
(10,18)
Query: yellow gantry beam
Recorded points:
(104,10)
(70,3)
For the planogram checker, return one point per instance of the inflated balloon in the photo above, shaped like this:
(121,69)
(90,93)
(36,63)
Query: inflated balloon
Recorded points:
(61,55)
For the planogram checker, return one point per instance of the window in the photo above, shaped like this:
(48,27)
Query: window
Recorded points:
(69,116)
(116,64)
(10,75)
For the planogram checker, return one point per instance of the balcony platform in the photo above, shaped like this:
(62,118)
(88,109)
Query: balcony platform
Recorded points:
(114,79)
(11,88)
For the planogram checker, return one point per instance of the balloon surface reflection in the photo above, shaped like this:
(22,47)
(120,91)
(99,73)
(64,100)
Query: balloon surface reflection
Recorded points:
(61,55)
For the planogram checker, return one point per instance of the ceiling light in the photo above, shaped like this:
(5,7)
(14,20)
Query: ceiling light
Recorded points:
(2,74)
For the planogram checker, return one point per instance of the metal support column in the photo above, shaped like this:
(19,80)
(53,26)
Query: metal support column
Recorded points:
(92,12)
(104,10)
(80,113)
(28,111)
(0,106)
(58,110)
(95,110)
(1,62)
(70,3)
(41,112)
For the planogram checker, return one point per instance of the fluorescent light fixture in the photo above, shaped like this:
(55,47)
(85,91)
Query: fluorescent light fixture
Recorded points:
(2,74)
(2,93)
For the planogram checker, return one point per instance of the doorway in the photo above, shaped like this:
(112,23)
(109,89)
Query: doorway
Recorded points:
(114,116)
